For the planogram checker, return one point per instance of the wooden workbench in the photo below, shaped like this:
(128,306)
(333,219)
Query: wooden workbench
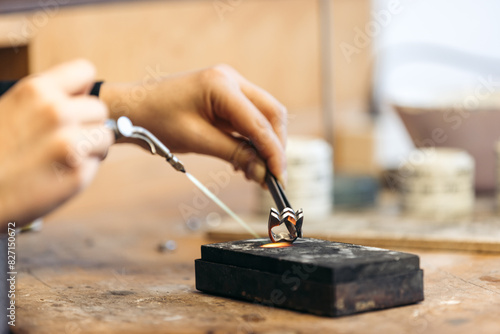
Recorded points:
(95,268)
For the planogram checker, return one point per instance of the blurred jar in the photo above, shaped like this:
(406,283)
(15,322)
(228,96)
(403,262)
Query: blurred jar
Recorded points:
(497,149)
(438,183)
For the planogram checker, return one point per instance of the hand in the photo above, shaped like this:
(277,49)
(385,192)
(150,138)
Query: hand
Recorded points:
(212,111)
(52,138)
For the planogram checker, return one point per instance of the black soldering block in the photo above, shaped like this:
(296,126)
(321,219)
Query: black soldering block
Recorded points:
(315,276)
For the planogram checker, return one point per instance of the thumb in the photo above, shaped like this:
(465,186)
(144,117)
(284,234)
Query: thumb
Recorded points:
(74,77)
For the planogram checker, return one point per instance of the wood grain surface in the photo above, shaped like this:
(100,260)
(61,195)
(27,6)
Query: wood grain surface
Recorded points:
(95,268)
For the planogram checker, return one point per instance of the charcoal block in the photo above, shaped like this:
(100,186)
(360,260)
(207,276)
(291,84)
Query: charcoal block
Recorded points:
(311,275)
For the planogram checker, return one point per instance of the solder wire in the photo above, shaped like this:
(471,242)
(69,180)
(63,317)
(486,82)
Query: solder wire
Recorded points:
(221,204)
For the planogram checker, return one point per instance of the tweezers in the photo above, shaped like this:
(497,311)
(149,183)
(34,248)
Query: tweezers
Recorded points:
(286,215)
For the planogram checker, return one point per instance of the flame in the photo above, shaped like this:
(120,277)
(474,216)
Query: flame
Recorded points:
(277,245)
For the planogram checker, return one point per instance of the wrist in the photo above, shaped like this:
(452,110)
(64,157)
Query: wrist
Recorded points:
(120,101)
(116,96)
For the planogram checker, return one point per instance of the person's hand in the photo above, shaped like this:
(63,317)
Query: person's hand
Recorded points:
(52,138)
(212,111)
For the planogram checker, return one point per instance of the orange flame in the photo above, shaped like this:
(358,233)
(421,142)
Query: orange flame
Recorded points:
(277,245)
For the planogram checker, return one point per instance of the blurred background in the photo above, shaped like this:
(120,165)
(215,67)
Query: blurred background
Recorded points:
(371,80)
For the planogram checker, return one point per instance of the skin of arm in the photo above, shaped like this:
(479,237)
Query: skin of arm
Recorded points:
(53,137)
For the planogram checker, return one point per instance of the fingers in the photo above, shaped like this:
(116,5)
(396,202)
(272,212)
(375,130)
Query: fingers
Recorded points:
(84,110)
(54,138)
(270,107)
(84,176)
(92,142)
(236,151)
(251,123)
(72,146)
(274,111)
(82,134)
(75,77)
